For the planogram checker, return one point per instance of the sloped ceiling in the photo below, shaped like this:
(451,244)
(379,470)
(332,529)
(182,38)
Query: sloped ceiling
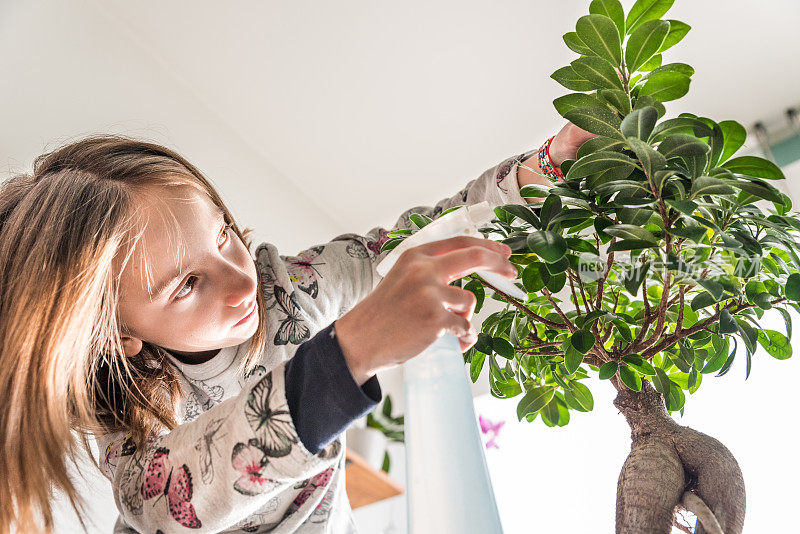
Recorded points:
(374,107)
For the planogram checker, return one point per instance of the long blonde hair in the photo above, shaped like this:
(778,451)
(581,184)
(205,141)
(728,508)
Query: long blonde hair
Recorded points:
(62,373)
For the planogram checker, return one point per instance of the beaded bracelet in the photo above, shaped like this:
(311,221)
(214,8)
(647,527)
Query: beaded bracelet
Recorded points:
(553,172)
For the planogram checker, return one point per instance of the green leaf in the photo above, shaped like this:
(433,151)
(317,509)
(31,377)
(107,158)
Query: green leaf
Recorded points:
(596,144)
(598,162)
(575,44)
(618,99)
(524,213)
(687,207)
(386,462)
(556,282)
(727,324)
(639,364)
(680,125)
(675,399)
(419,219)
(582,340)
(642,101)
(532,277)
(598,71)
(476,365)
(734,136)
(682,68)
(651,159)
(607,370)
(644,10)
(550,246)
(484,343)
(570,79)
(719,358)
(645,42)
(480,294)
(792,289)
(703,300)
(666,86)
(571,101)
(754,166)
(630,378)
(661,382)
(635,277)
(503,347)
(677,31)
(639,123)
(534,191)
(582,395)
(776,344)
(600,121)
(611,9)
(550,207)
(706,185)
(652,63)
(682,145)
(632,244)
(551,415)
(534,400)
(631,232)
(573,358)
(601,36)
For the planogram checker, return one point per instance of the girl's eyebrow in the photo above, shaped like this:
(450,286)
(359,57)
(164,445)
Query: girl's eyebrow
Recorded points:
(161,288)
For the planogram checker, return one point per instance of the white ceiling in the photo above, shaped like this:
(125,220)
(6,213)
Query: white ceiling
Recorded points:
(344,114)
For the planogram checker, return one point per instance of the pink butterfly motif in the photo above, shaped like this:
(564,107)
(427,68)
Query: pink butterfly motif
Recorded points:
(319,481)
(492,429)
(375,246)
(303,271)
(175,483)
(250,460)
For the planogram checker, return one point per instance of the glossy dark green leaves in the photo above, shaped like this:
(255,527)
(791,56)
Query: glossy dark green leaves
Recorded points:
(755,166)
(666,86)
(600,121)
(583,341)
(645,42)
(601,36)
(550,246)
(534,400)
(644,10)
(607,370)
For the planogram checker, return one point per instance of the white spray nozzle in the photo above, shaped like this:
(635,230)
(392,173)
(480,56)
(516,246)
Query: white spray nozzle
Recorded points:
(463,221)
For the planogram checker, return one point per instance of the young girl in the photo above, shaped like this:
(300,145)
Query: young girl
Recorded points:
(218,386)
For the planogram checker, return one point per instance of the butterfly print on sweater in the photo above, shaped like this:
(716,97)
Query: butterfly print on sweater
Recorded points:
(303,271)
(270,419)
(250,460)
(205,446)
(309,487)
(162,479)
(292,329)
(375,246)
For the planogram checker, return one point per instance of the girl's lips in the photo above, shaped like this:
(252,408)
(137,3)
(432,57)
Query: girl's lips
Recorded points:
(248,316)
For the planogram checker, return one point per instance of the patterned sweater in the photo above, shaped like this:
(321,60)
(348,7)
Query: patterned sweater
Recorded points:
(264,452)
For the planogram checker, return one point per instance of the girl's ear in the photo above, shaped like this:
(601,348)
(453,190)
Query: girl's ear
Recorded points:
(131,345)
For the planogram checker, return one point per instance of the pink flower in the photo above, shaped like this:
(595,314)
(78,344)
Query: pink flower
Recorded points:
(491,429)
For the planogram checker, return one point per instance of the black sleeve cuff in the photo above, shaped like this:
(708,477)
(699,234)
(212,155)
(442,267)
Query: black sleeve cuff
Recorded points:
(322,394)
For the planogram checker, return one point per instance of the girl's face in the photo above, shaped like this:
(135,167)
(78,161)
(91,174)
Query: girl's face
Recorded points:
(203,282)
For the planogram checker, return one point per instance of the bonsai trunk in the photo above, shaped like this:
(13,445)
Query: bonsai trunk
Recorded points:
(672,465)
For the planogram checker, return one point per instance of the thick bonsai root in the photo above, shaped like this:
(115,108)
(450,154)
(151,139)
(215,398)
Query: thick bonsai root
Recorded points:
(667,460)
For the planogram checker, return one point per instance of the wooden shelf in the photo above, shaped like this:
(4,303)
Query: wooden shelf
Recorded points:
(365,484)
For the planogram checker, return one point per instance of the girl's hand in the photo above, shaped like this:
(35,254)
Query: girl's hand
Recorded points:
(567,142)
(414,305)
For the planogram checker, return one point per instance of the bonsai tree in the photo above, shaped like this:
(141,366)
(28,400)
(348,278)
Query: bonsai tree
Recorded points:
(650,265)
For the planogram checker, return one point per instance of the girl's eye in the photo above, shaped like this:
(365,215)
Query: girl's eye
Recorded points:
(180,295)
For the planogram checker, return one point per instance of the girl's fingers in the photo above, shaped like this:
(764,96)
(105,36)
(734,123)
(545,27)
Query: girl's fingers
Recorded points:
(460,301)
(442,246)
(464,261)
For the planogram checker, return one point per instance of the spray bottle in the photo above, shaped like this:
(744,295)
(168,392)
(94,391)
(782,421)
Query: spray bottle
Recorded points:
(449,489)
